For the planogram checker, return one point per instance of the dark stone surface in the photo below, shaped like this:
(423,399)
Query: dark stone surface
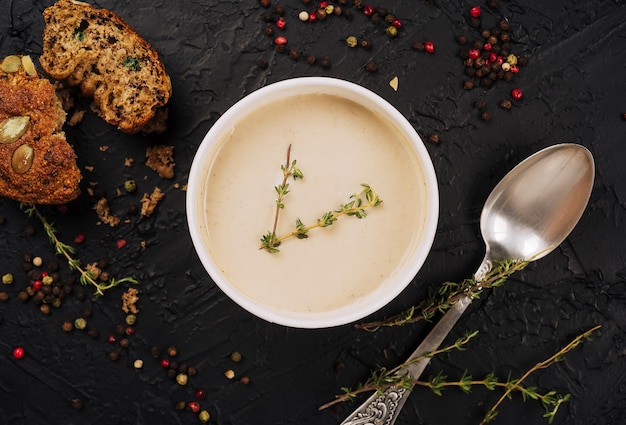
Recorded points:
(574,89)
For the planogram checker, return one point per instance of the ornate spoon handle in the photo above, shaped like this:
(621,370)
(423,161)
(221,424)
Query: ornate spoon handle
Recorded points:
(383,409)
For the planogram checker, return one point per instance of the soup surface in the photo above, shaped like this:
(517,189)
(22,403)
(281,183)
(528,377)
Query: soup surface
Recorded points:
(338,145)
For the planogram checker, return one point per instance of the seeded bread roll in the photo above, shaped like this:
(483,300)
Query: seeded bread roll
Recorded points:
(37,164)
(96,50)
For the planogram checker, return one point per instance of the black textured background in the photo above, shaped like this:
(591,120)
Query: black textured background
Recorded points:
(574,89)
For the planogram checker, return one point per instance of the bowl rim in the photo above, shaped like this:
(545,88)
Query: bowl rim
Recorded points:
(375,300)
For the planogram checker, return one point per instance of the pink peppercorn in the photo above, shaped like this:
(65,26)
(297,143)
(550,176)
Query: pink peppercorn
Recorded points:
(474,54)
(368,10)
(280,23)
(18,352)
(280,40)
(429,46)
(516,94)
(475,12)
(396,23)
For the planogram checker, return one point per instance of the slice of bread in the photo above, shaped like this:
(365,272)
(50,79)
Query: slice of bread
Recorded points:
(108,60)
(37,164)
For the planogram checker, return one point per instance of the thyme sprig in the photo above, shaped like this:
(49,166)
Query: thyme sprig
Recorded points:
(356,207)
(551,401)
(442,298)
(87,277)
(269,240)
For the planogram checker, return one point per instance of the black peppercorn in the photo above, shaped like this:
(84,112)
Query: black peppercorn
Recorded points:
(338,10)
(22,296)
(279,10)
(77,403)
(506,104)
(461,39)
(45,309)
(366,44)
(418,46)
(480,104)
(269,30)
(485,116)
(265,3)
(371,66)
(348,14)
(522,60)
(325,62)
(433,138)
(182,368)
(181,405)
(294,54)
(171,373)
(475,22)
(156,353)
(114,355)
(311,60)
(124,342)
(192,371)
(262,63)
(468,84)
(492,4)
(4,297)
(375,19)
(280,48)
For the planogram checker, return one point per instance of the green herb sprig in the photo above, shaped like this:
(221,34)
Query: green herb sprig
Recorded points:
(382,378)
(87,278)
(442,298)
(356,207)
(269,241)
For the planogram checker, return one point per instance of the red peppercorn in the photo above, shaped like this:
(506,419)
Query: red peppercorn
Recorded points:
(79,238)
(194,406)
(516,94)
(37,285)
(475,12)
(487,47)
(429,46)
(18,353)
(165,363)
(323,4)
(312,17)
(368,10)
(201,394)
(514,69)
(493,57)
(474,54)
(280,23)
(280,40)
(396,23)
(111,339)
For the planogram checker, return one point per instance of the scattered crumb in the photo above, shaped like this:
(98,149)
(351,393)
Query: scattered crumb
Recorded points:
(161,159)
(149,202)
(76,118)
(158,124)
(89,168)
(129,299)
(394,83)
(103,148)
(128,162)
(118,192)
(102,209)
(93,268)
(185,188)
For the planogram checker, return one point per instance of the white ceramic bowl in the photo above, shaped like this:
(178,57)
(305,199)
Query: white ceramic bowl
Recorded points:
(201,173)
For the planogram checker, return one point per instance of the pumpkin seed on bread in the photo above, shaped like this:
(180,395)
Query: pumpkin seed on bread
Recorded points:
(37,164)
(97,51)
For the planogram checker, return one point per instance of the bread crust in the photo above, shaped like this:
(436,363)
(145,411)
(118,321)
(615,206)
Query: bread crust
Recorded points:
(53,177)
(97,51)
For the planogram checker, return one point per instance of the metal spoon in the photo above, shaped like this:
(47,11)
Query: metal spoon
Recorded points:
(526,216)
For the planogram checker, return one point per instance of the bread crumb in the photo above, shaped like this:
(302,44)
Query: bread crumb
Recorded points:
(129,299)
(76,118)
(102,209)
(149,202)
(89,168)
(128,162)
(394,83)
(103,148)
(161,160)
(93,269)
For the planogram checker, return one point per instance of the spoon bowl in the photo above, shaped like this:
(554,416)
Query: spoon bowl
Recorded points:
(537,204)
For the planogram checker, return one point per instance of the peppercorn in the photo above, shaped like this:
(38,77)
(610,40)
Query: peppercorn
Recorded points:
(173,365)
(29,230)
(67,326)
(265,3)
(77,403)
(475,22)
(171,373)
(325,62)
(352,41)
(204,416)
(245,380)
(22,296)
(235,356)
(229,374)
(280,48)
(4,297)
(194,406)
(294,54)
(468,84)
(371,66)
(45,309)
(492,4)
(418,46)
(172,351)
(7,278)
(485,116)
(338,11)
(506,104)
(192,371)
(366,44)
(201,394)
(434,138)
(138,364)
(262,63)
(391,31)
(480,104)
(120,330)
(155,352)
(310,59)
(181,405)
(182,368)
(18,353)
(375,19)
(114,355)
(37,261)
(182,379)
(79,295)
(80,323)
(461,39)
(124,342)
